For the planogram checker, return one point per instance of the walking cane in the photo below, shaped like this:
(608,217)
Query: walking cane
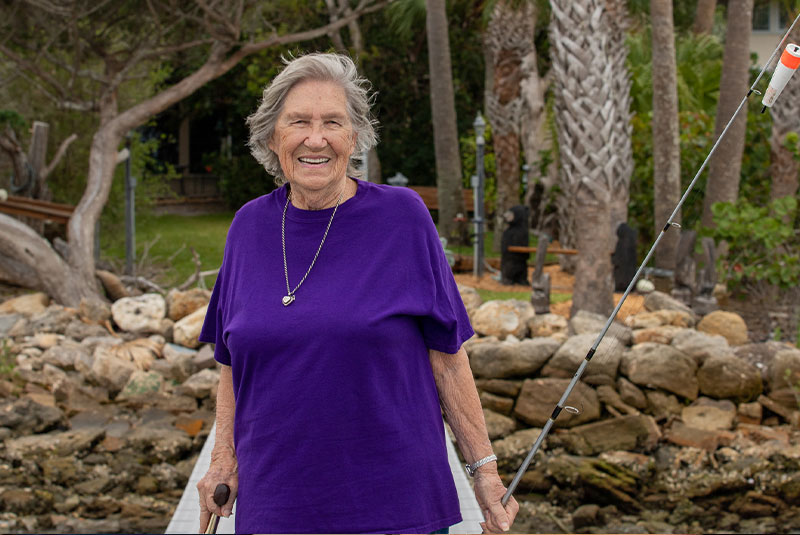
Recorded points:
(221,495)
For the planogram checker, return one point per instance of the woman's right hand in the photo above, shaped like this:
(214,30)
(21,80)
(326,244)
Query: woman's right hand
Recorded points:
(223,469)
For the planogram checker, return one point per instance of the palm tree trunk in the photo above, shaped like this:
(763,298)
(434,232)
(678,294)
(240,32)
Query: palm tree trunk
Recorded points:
(443,111)
(509,36)
(784,167)
(593,120)
(704,17)
(725,166)
(666,141)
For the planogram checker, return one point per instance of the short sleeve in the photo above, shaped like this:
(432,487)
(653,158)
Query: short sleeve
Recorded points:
(214,326)
(445,326)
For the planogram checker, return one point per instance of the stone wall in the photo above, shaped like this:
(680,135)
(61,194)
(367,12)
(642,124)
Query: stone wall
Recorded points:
(679,424)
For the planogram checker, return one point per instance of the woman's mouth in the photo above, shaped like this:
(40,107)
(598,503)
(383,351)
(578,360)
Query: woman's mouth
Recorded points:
(313,161)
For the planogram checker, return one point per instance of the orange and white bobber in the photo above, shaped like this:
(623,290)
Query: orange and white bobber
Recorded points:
(790,60)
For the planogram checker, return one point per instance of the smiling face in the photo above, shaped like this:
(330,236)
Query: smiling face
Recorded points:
(314,137)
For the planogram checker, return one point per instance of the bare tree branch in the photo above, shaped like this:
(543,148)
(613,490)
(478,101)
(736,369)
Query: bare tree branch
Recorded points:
(62,149)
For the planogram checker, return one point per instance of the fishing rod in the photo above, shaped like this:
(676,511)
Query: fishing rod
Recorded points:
(788,65)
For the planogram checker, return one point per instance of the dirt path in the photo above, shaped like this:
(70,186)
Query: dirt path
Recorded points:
(560,282)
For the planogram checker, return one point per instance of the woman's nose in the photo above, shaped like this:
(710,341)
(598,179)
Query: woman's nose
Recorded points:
(316,138)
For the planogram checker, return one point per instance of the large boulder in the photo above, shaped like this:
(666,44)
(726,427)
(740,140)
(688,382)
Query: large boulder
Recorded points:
(54,319)
(784,370)
(570,355)
(539,397)
(501,318)
(507,359)
(64,356)
(730,325)
(471,298)
(553,325)
(200,385)
(709,414)
(638,431)
(513,449)
(700,345)
(142,382)
(26,416)
(27,305)
(761,355)
(659,318)
(662,334)
(585,322)
(661,366)
(726,376)
(186,330)
(181,304)
(140,314)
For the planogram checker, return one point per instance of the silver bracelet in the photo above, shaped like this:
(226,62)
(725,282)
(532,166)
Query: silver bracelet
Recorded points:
(472,468)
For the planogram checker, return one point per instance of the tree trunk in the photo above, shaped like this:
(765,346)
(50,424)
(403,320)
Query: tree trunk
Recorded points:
(445,131)
(704,17)
(726,164)
(784,167)
(509,36)
(591,86)
(666,141)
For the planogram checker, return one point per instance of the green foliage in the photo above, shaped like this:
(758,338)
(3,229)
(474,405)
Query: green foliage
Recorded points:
(12,119)
(469,152)
(241,178)
(763,240)
(7,361)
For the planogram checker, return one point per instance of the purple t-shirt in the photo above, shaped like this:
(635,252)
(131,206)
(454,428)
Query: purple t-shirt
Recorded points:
(338,427)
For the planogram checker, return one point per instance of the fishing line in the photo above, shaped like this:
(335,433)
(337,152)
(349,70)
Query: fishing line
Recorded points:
(671,223)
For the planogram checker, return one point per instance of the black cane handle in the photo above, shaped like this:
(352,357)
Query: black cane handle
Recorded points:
(221,494)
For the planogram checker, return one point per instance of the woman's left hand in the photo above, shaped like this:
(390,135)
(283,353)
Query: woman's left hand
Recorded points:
(489,489)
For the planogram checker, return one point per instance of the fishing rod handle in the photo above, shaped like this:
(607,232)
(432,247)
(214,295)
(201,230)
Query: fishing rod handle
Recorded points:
(221,495)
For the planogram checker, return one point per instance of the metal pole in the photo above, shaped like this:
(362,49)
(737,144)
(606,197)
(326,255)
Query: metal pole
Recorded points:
(477,193)
(130,215)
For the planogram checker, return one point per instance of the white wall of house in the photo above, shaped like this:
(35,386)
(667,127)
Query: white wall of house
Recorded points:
(769,25)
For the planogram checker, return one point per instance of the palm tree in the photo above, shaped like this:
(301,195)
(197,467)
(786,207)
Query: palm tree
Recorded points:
(443,111)
(666,140)
(592,89)
(704,16)
(725,167)
(509,43)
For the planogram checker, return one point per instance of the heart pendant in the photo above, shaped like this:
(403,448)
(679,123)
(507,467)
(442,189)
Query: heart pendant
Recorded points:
(288,300)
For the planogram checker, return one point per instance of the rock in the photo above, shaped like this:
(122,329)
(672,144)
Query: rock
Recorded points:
(26,305)
(204,358)
(614,483)
(67,524)
(8,322)
(501,318)
(25,502)
(26,416)
(660,366)
(631,394)
(727,324)
(662,405)
(638,431)
(613,402)
(790,414)
(54,319)
(683,435)
(659,318)
(181,304)
(142,352)
(709,415)
(585,322)
(471,298)
(62,471)
(644,286)
(699,345)
(496,403)
(142,382)
(659,335)
(501,387)
(141,314)
(542,325)
(60,444)
(539,397)
(761,355)
(750,413)
(728,376)
(660,301)
(110,371)
(586,515)
(570,355)
(784,370)
(513,449)
(186,331)
(160,444)
(74,397)
(507,359)
(78,330)
(64,356)
(200,385)
(94,311)
(498,425)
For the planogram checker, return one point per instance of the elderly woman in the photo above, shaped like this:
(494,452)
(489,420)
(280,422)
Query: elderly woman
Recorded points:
(339,329)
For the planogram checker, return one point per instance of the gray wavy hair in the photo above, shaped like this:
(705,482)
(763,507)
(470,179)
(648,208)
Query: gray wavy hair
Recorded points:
(326,67)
